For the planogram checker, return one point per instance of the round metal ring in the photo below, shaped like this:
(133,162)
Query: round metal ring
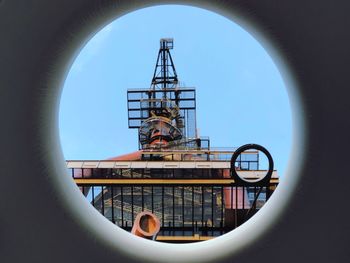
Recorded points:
(241,181)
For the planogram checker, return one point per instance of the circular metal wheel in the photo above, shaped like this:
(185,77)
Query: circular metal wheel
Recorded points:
(240,180)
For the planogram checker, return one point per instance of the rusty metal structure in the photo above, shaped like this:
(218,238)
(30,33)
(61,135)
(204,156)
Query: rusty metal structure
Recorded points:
(195,191)
(146,225)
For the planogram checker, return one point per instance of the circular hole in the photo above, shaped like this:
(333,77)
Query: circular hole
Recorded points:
(94,141)
(149,224)
(145,223)
(92,129)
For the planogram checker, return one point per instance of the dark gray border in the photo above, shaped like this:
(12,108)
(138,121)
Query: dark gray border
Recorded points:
(39,220)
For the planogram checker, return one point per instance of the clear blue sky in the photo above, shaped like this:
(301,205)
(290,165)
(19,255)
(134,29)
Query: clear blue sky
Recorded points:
(241,97)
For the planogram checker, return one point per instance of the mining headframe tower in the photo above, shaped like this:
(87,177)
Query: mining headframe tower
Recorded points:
(196,192)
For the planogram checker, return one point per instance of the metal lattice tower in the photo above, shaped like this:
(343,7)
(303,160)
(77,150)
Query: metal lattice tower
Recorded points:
(164,76)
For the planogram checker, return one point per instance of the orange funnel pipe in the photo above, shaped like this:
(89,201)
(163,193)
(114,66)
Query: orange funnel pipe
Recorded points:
(146,225)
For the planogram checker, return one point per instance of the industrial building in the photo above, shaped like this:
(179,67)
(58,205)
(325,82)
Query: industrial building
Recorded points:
(197,192)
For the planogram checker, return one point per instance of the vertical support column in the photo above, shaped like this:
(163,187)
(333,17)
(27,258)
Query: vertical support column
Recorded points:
(102,201)
(142,200)
(152,200)
(93,195)
(112,203)
(202,201)
(132,204)
(193,210)
(222,210)
(173,205)
(163,207)
(183,207)
(236,210)
(122,204)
